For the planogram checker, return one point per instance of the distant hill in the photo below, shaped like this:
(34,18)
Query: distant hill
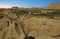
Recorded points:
(53,6)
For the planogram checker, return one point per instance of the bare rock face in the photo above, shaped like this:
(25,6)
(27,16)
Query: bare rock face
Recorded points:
(43,27)
(40,28)
(55,5)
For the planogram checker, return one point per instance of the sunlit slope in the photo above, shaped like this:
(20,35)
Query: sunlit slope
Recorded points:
(43,28)
(46,27)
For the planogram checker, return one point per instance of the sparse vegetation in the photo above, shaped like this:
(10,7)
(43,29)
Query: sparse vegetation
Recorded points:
(17,17)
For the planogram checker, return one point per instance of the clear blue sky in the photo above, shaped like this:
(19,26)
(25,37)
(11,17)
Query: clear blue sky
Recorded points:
(28,3)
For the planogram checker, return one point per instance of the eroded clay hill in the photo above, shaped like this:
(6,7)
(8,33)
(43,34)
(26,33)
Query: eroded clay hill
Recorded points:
(42,28)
